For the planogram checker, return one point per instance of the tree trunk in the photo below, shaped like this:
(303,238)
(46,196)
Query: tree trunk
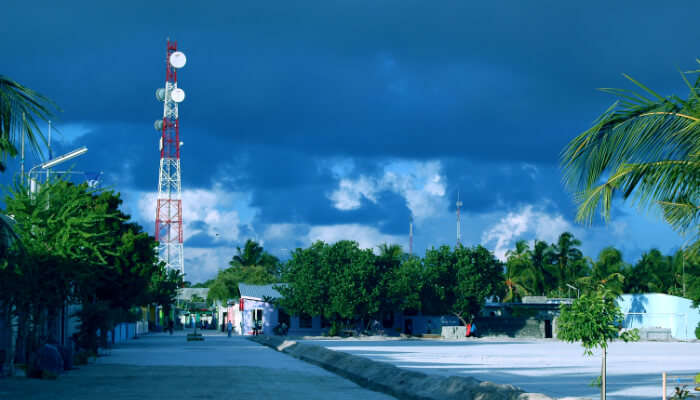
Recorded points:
(602,376)
(11,323)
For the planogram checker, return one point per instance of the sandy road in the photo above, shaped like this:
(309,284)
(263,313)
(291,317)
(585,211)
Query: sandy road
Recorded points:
(167,367)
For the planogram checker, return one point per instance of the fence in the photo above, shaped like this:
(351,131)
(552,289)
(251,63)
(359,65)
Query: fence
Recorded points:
(681,383)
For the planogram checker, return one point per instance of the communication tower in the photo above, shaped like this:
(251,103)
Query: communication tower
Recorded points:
(410,237)
(169,202)
(459,221)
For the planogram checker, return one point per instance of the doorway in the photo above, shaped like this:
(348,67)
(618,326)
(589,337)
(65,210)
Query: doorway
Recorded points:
(548,328)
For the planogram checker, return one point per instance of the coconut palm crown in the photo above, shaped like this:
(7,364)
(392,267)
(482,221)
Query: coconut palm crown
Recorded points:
(646,149)
(21,109)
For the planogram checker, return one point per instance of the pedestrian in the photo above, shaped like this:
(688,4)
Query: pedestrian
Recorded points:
(473,331)
(170,326)
(229,328)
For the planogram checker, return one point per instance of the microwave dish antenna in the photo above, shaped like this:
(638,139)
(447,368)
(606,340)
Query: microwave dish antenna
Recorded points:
(178,59)
(177,95)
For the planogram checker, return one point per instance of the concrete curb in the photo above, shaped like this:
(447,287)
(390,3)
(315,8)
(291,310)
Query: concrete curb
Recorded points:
(400,383)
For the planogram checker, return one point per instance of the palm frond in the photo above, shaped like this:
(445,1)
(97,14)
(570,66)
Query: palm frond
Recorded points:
(21,108)
(641,148)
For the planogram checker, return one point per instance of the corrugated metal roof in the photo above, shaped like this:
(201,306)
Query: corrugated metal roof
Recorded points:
(259,291)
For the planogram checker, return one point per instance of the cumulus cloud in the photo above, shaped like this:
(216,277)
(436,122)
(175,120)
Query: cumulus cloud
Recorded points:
(366,236)
(422,184)
(529,222)
(207,212)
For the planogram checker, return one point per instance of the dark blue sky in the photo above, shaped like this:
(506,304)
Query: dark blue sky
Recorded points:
(343,119)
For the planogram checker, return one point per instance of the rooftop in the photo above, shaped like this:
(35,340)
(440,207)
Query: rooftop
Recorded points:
(259,292)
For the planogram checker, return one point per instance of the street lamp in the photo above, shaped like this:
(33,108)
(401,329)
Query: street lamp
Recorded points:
(58,160)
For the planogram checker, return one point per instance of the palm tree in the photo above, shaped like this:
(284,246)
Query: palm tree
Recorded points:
(566,255)
(20,108)
(390,255)
(520,274)
(646,148)
(254,254)
(542,265)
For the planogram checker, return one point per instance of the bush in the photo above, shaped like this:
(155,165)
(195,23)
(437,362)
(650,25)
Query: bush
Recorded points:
(697,331)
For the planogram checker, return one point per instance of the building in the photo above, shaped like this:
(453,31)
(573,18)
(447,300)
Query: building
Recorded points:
(660,316)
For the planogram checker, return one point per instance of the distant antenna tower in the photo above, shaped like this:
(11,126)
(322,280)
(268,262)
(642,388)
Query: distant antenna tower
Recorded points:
(459,221)
(410,237)
(169,203)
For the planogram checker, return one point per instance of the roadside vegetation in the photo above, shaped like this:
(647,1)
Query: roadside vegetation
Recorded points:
(75,246)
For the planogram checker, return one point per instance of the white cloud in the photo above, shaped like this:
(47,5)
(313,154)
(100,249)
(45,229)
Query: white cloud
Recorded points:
(349,194)
(213,207)
(279,231)
(202,264)
(366,236)
(527,223)
(420,183)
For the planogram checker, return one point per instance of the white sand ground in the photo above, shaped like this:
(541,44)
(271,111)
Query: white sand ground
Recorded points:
(546,366)
(167,367)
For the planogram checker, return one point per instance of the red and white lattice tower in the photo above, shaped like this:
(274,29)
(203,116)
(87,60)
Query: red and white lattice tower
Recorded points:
(169,203)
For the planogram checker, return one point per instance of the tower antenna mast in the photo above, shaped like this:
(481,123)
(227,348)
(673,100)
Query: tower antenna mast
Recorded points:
(410,237)
(169,203)
(459,221)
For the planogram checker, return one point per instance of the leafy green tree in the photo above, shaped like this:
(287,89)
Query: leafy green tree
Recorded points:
(21,109)
(594,319)
(645,148)
(80,248)
(307,278)
(163,286)
(399,279)
(440,277)
(479,276)
(459,282)
(404,285)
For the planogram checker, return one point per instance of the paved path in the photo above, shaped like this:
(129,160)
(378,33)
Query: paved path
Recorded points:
(167,367)
(545,366)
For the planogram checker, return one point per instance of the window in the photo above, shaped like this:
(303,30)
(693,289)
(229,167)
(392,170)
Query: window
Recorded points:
(258,314)
(305,321)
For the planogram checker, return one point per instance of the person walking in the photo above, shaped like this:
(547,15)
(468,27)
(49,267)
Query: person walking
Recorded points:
(229,328)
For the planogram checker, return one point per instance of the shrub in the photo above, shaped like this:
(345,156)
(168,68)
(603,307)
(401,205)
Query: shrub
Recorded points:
(697,331)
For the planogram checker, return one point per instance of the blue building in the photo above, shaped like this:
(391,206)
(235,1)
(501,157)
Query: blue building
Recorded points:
(660,311)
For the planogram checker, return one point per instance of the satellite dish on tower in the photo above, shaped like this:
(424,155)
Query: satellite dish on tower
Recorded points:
(177,95)
(160,94)
(178,59)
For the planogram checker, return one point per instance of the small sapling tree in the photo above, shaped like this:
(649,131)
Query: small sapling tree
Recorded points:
(594,319)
